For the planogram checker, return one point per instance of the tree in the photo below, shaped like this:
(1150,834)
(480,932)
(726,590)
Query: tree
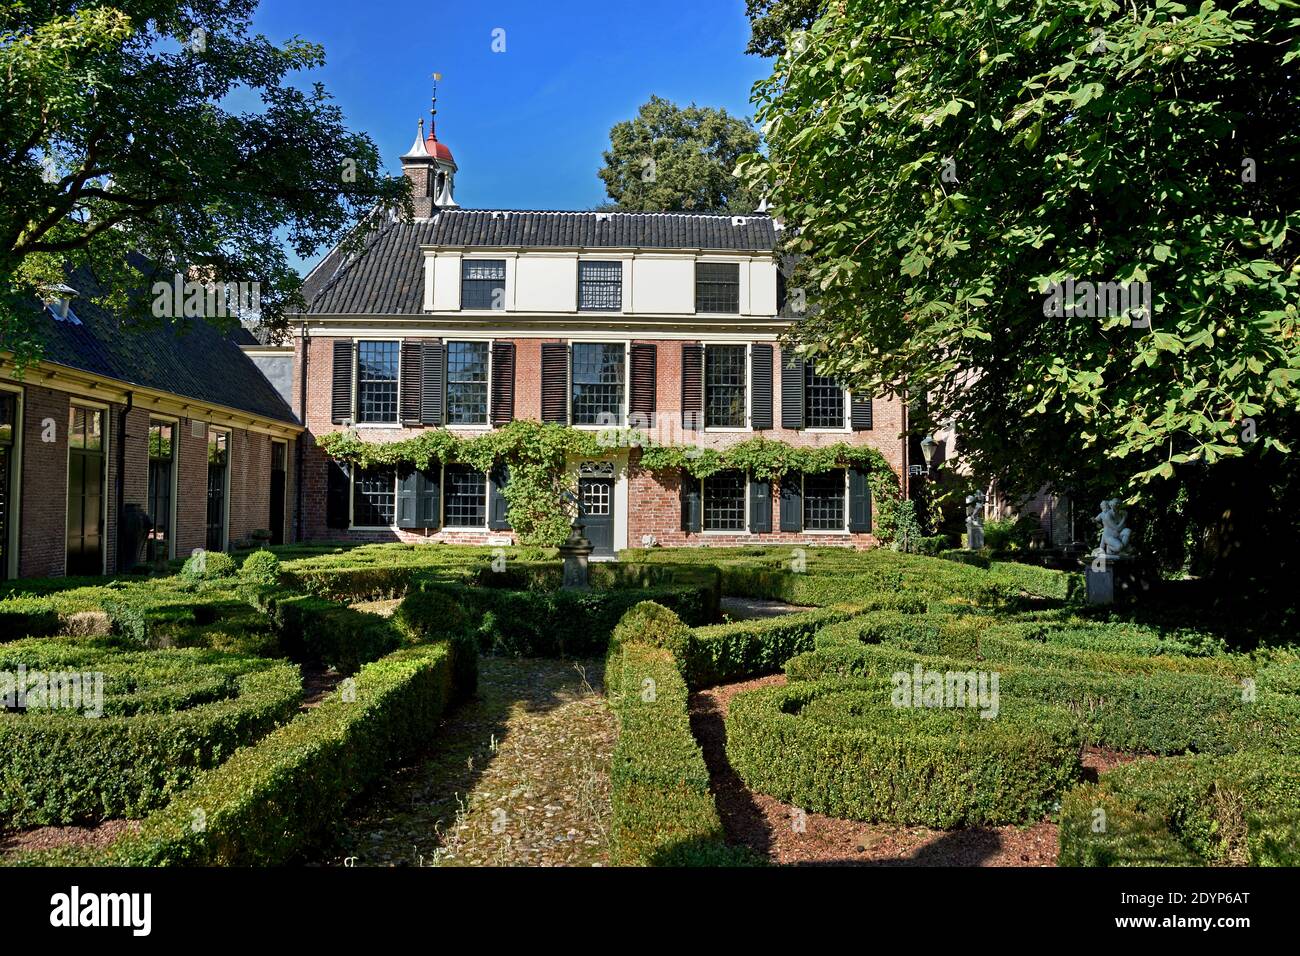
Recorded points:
(116,148)
(670,158)
(773,21)
(945,169)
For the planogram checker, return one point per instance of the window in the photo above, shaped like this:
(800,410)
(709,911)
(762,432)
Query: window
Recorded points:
(597,393)
(218,467)
(466,498)
(377,382)
(467,383)
(374,498)
(823,400)
(724,501)
(483,284)
(8,416)
(717,287)
(823,501)
(159,504)
(724,386)
(85,491)
(600,286)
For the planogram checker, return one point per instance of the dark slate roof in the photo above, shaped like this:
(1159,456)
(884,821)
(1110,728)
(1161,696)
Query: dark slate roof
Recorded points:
(387,277)
(191,358)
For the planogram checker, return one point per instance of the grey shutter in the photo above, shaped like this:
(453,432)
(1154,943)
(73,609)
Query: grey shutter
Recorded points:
(691,505)
(503,382)
(859,501)
(642,403)
(792,501)
(341,392)
(792,384)
(692,386)
(860,413)
(433,375)
(428,504)
(498,507)
(338,492)
(408,493)
(760,505)
(555,382)
(760,378)
(412,377)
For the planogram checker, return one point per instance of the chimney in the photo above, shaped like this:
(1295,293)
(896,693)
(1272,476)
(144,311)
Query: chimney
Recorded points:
(418,166)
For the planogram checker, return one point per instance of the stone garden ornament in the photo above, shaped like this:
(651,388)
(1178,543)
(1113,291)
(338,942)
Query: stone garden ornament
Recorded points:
(1114,536)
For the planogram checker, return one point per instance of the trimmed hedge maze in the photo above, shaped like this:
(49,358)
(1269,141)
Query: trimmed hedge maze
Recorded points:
(1220,784)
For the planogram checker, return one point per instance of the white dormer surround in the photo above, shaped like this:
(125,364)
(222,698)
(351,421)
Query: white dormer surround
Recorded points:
(654,282)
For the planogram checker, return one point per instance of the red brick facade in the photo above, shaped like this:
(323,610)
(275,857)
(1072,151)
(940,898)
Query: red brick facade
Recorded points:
(654,506)
(42,487)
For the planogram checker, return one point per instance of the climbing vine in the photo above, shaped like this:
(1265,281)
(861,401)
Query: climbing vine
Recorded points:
(537,457)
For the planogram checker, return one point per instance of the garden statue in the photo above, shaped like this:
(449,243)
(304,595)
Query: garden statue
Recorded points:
(1114,536)
(576,550)
(975,521)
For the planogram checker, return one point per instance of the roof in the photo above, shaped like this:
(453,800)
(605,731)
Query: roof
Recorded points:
(190,358)
(387,277)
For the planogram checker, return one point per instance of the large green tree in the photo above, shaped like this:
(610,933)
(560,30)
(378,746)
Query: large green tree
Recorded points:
(942,166)
(679,158)
(116,137)
(773,22)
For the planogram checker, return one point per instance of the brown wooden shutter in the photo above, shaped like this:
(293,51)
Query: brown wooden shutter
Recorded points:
(860,412)
(692,386)
(503,382)
(555,382)
(432,373)
(412,376)
(760,378)
(341,392)
(642,403)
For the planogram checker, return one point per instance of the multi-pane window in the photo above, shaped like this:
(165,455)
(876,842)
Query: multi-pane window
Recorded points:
(823,501)
(466,497)
(717,287)
(724,386)
(483,284)
(823,400)
(600,286)
(597,384)
(374,497)
(467,383)
(724,501)
(377,382)
(161,455)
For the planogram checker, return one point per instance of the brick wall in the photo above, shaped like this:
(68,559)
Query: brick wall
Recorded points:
(43,549)
(654,505)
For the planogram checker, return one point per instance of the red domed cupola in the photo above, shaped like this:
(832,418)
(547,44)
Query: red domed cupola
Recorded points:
(430,167)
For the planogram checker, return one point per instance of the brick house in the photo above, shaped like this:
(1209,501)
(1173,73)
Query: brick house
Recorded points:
(669,322)
(170,434)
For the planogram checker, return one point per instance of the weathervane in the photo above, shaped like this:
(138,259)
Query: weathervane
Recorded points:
(433,104)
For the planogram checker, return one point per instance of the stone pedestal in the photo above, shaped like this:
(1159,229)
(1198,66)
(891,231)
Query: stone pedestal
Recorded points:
(576,551)
(1116,578)
(1101,585)
(974,535)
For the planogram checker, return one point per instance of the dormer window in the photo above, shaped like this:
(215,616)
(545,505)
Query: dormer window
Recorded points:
(58,300)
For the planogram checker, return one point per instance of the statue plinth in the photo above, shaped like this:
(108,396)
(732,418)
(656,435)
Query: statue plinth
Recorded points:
(575,551)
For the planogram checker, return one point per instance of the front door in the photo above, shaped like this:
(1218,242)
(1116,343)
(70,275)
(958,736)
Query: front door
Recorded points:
(597,498)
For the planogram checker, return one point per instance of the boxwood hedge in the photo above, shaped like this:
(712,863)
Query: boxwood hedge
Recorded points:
(842,748)
(1237,809)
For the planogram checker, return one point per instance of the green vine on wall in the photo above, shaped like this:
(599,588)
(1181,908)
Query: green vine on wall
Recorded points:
(537,456)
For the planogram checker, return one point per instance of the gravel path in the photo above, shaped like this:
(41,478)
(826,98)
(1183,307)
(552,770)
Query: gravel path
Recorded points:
(517,777)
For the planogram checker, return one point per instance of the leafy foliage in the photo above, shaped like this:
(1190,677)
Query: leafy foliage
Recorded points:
(772,22)
(941,164)
(117,139)
(678,158)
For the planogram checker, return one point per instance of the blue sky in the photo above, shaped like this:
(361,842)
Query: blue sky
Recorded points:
(527,126)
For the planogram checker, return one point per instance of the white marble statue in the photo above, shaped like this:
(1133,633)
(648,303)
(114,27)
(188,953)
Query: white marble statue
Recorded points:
(1114,536)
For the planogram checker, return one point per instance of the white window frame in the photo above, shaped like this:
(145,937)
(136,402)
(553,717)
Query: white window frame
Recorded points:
(507,289)
(356,383)
(803,501)
(627,380)
(176,470)
(67,463)
(230,464)
(749,387)
(845,396)
(744,508)
(622,284)
(442,504)
(446,363)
